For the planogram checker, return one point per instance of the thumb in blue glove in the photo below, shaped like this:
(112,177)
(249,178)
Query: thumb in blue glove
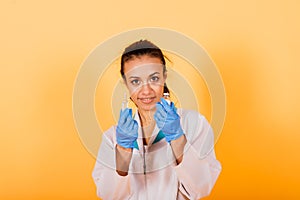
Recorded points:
(167,120)
(127,129)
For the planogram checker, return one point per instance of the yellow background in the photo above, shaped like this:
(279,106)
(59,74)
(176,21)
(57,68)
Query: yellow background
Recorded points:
(255,45)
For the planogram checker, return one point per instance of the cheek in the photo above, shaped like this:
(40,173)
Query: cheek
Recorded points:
(133,92)
(158,90)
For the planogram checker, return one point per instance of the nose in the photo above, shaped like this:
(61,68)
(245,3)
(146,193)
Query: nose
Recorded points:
(146,89)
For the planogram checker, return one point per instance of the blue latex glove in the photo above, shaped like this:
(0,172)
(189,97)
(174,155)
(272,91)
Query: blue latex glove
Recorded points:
(127,129)
(167,120)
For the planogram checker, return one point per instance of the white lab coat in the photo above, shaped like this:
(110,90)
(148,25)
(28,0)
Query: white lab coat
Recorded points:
(153,173)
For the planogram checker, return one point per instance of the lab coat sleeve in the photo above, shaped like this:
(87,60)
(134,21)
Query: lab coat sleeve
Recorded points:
(199,169)
(110,185)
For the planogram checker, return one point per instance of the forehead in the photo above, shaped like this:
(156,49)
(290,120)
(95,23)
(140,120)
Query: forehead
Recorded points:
(143,65)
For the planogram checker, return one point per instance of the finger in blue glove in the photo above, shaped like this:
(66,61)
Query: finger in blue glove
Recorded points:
(167,120)
(127,129)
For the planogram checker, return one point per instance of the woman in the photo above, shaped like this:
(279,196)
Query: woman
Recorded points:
(161,152)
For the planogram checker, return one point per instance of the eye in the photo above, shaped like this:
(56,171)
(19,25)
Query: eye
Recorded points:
(135,82)
(154,79)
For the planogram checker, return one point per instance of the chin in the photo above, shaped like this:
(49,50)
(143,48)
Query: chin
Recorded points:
(150,107)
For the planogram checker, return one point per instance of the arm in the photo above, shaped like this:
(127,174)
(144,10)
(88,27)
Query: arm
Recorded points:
(110,185)
(168,120)
(199,169)
(192,143)
(126,135)
(111,170)
(123,158)
(178,148)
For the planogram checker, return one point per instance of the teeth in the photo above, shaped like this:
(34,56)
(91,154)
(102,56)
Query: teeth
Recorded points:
(146,99)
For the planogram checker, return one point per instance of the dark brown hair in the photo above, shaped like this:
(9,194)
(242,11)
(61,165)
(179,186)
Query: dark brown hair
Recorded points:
(141,48)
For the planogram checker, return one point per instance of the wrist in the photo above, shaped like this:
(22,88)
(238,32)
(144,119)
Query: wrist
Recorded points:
(123,158)
(174,136)
(178,148)
(124,147)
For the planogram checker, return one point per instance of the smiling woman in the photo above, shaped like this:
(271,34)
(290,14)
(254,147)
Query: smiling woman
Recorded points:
(161,152)
(145,82)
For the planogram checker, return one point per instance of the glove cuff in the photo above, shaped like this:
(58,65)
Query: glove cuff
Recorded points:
(175,136)
(125,144)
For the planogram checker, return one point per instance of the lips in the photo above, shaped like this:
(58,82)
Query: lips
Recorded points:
(147,100)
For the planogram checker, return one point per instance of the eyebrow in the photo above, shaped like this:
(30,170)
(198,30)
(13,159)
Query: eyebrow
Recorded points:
(149,75)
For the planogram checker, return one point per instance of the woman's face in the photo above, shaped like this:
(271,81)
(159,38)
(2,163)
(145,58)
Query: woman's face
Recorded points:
(145,81)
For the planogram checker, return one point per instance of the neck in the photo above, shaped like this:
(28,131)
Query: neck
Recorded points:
(147,123)
(146,117)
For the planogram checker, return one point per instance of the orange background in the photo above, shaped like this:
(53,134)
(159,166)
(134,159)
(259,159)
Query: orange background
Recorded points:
(255,45)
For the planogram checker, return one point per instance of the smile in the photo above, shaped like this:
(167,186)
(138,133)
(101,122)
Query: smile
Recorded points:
(147,100)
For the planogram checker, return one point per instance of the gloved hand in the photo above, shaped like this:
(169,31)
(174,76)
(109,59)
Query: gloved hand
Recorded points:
(167,120)
(127,129)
